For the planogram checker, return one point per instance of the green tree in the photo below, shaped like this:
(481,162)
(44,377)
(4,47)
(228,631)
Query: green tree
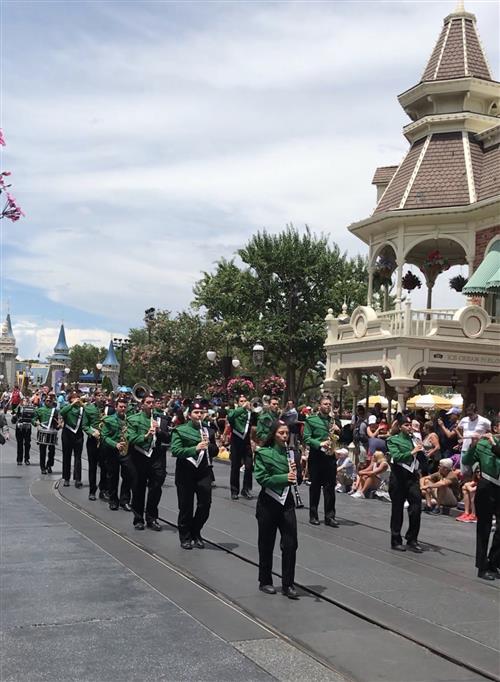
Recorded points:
(84,356)
(280,295)
(176,356)
(106,385)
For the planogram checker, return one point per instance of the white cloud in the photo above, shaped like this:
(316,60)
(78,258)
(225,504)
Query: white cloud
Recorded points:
(31,338)
(149,139)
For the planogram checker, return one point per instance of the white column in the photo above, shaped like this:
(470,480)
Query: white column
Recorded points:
(399,285)
(371,270)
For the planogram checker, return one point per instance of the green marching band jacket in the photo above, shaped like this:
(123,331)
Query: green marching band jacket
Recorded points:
(316,430)
(137,426)
(488,456)
(112,430)
(185,438)
(400,446)
(271,469)
(43,415)
(92,416)
(239,419)
(264,424)
(73,417)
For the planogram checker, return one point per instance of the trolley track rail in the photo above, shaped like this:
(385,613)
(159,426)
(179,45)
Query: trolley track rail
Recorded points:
(357,613)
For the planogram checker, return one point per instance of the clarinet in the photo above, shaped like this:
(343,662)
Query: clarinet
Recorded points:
(204,436)
(291,458)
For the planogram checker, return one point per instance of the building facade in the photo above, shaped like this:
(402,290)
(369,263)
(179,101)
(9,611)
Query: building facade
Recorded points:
(438,208)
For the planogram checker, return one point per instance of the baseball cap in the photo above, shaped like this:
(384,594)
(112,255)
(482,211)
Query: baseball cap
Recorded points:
(454,410)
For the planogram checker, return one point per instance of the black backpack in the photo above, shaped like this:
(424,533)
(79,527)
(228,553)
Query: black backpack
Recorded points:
(357,436)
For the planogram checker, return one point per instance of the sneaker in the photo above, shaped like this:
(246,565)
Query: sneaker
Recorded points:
(472,518)
(339,488)
(358,494)
(463,517)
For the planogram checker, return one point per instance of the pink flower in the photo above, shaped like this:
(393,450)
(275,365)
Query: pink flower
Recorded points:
(11,210)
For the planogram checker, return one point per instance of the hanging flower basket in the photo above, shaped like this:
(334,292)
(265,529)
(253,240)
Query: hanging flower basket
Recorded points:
(457,283)
(384,267)
(273,385)
(411,281)
(240,386)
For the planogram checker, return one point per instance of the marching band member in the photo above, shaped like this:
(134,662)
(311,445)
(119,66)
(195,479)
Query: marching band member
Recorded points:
(404,484)
(116,456)
(72,438)
(266,419)
(47,417)
(322,463)
(22,418)
(92,415)
(241,449)
(485,449)
(149,463)
(193,445)
(276,510)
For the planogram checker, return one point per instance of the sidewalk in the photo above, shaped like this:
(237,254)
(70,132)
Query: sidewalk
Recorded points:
(71,610)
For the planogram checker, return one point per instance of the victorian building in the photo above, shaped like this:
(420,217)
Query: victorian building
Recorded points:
(438,208)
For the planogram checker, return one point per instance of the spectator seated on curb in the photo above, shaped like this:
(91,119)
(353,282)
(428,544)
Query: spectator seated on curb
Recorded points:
(442,489)
(469,493)
(373,476)
(345,471)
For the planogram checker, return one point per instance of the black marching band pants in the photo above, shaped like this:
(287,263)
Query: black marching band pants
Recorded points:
(487,503)
(190,482)
(72,444)
(271,516)
(23,438)
(117,463)
(241,453)
(95,459)
(404,485)
(150,473)
(44,462)
(322,474)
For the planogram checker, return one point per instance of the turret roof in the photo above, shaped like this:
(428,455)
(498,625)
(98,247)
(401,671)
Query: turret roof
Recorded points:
(111,360)
(9,331)
(61,345)
(458,52)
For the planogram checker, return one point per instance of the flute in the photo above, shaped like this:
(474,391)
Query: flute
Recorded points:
(291,459)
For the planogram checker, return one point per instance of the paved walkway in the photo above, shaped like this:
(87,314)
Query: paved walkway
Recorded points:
(79,602)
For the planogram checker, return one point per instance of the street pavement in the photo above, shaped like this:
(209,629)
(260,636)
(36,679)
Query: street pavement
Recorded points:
(80,603)
(366,612)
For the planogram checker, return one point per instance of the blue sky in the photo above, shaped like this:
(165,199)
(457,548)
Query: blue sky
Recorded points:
(148,139)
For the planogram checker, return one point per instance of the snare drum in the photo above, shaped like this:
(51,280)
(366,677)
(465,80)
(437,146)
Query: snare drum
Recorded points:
(46,436)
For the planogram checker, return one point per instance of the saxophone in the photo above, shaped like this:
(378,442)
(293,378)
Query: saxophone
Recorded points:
(334,438)
(123,438)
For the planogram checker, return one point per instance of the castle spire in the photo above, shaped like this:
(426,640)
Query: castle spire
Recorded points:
(110,360)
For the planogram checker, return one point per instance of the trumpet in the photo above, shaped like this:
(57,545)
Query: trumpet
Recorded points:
(291,460)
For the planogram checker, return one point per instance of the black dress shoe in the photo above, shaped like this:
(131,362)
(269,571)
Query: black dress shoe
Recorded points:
(247,495)
(186,544)
(268,589)
(234,496)
(486,575)
(103,495)
(332,523)
(66,484)
(19,464)
(113,506)
(153,525)
(27,462)
(414,547)
(126,507)
(315,522)
(198,542)
(398,548)
(495,571)
(44,471)
(139,526)
(49,470)
(290,592)
(78,484)
(92,497)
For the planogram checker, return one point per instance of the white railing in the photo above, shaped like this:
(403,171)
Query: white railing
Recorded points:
(414,322)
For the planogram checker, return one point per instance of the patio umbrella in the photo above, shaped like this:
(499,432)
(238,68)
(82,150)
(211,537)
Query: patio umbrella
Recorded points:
(374,399)
(457,400)
(428,402)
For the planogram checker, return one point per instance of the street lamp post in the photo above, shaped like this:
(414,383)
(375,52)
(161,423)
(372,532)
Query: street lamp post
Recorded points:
(227,362)
(66,372)
(121,345)
(258,358)
(149,318)
(98,368)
